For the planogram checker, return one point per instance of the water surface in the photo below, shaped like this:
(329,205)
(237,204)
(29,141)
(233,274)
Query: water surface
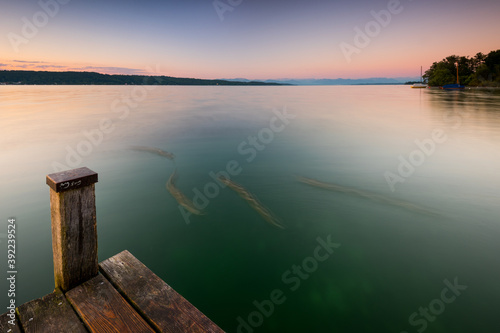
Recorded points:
(389,260)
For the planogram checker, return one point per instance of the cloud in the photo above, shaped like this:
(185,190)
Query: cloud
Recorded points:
(111,70)
(30,62)
(48,66)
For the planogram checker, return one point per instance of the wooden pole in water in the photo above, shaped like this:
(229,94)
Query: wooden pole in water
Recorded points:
(74,229)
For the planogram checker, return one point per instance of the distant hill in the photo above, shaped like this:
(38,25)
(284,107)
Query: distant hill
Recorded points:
(92,78)
(336,82)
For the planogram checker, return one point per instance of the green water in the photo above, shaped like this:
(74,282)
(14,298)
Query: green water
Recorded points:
(390,259)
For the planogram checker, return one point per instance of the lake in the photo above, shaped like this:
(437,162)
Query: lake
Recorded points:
(388,196)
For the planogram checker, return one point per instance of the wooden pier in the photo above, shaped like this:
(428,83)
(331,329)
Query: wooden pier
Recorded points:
(120,294)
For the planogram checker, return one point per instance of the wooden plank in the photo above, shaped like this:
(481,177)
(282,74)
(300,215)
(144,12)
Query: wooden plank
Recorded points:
(74,231)
(51,313)
(164,308)
(6,324)
(102,309)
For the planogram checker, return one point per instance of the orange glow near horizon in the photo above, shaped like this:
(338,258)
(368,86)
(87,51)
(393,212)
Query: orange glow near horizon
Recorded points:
(389,67)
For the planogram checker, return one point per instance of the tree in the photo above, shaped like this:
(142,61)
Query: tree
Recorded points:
(492,61)
(480,70)
(441,75)
(477,60)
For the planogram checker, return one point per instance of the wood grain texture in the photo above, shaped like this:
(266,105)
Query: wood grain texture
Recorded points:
(165,309)
(102,308)
(51,313)
(74,236)
(6,327)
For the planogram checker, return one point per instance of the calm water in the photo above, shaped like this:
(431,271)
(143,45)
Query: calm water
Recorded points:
(397,241)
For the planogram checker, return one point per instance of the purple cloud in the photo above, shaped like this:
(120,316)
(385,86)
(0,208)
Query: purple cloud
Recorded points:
(49,66)
(30,62)
(112,70)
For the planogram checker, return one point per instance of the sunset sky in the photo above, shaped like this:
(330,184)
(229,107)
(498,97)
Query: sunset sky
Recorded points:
(251,39)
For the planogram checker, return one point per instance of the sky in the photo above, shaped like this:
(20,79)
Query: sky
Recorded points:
(253,39)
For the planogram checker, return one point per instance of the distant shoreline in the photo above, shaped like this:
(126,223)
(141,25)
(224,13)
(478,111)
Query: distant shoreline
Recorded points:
(93,78)
(19,77)
(41,78)
(255,84)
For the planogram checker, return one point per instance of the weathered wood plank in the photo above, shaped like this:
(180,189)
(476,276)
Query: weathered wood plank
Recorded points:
(74,231)
(102,309)
(6,324)
(165,309)
(51,313)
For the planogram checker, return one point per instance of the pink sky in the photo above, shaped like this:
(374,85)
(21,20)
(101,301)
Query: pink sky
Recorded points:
(254,40)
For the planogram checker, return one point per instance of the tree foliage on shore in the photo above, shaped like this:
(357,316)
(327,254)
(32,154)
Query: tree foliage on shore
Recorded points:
(84,78)
(481,70)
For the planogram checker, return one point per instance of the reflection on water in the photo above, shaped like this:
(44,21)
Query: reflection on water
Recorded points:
(392,260)
(469,111)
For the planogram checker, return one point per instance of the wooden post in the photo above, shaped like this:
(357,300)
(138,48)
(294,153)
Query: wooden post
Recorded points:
(74,230)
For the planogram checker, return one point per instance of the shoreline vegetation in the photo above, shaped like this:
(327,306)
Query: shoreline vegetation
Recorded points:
(16,77)
(482,71)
